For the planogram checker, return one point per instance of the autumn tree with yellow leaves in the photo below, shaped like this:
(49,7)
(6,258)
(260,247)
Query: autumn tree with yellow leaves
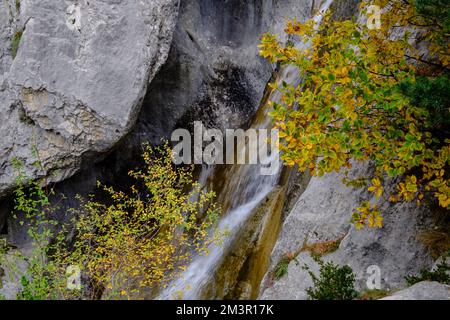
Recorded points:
(130,246)
(354,101)
(138,243)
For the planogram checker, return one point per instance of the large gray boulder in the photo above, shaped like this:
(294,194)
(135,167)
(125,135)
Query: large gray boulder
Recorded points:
(323,213)
(76,85)
(425,290)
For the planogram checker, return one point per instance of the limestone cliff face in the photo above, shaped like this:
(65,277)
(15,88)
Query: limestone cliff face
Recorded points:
(92,80)
(322,214)
(214,72)
(75,84)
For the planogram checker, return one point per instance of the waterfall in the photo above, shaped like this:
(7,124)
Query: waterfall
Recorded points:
(244,189)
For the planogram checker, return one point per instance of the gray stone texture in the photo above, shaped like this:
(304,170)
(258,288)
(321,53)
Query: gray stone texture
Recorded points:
(77,83)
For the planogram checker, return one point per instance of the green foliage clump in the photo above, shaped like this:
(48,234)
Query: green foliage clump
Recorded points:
(16,42)
(433,95)
(333,283)
(32,208)
(40,275)
(37,288)
(281,268)
(440,274)
(438,11)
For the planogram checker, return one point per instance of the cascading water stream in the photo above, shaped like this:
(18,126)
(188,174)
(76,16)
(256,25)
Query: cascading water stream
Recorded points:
(243,190)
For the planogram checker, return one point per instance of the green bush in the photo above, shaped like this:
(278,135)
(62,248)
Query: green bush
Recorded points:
(282,268)
(438,11)
(38,288)
(41,278)
(441,274)
(333,283)
(433,95)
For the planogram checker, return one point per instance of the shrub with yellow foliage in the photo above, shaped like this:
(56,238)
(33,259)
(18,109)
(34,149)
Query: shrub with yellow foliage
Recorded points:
(129,247)
(352,104)
(144,238)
